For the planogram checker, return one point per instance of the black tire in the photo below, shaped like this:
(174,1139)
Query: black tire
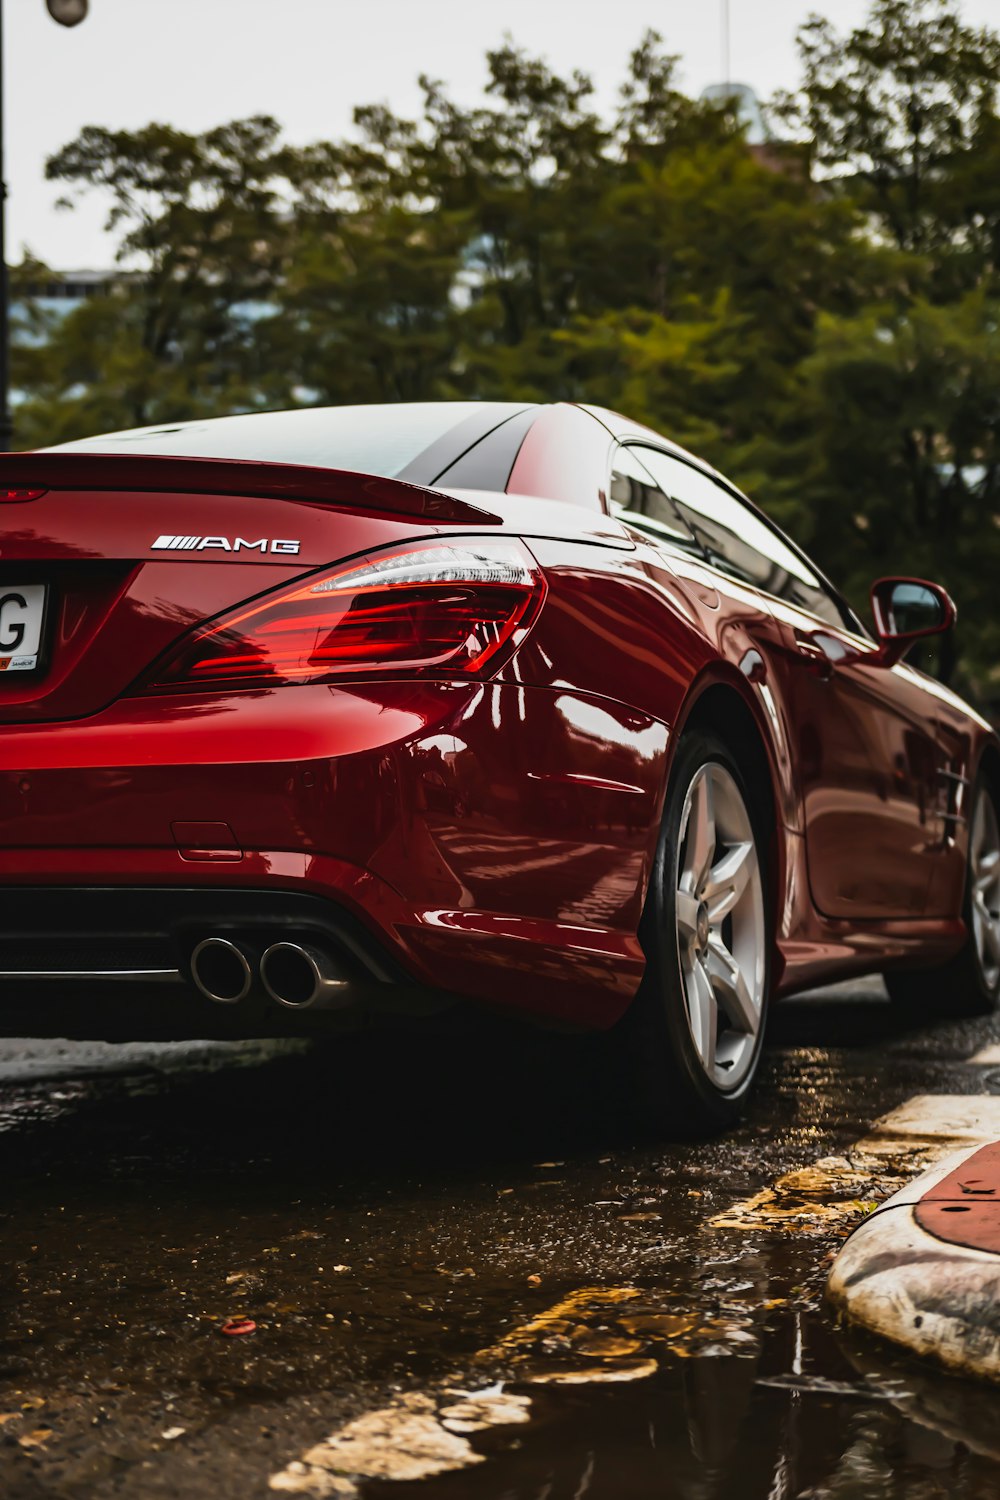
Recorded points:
(668,1088)
(961,987)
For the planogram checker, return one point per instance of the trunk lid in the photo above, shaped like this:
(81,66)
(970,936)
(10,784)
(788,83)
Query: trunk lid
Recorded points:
(114,558)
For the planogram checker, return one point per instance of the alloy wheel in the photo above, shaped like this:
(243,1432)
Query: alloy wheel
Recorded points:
(984,859)
(721,931)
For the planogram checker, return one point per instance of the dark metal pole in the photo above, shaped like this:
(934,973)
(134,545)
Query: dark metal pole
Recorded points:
(727,66)
(6,422)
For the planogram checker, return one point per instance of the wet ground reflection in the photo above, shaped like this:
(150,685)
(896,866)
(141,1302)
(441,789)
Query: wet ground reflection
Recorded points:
(748,1428)
(411,1215)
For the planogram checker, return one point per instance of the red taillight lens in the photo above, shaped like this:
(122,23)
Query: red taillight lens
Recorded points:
(17,495)
(452,607)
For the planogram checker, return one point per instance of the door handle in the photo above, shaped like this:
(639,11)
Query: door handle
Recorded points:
(807,645)
(821,650)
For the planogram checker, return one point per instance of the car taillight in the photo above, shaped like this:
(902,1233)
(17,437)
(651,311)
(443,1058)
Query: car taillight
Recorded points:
(436,607)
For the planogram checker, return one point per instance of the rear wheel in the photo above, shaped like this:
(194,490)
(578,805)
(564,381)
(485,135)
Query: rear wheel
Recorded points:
(969,984)
(697,1024)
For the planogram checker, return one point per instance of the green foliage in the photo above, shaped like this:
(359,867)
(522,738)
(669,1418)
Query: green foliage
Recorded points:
(823,322)
(902,460)
(896,107)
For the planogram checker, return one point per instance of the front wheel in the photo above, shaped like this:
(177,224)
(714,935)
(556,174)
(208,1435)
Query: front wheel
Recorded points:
(697,1024)
(969,984)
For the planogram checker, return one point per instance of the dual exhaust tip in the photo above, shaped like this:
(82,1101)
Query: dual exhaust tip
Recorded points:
(298,976)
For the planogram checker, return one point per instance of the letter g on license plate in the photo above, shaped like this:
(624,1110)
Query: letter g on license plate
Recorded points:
(22,612)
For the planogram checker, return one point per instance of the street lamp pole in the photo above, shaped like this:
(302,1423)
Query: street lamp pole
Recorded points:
(6,425)
(67,13)
(727,67)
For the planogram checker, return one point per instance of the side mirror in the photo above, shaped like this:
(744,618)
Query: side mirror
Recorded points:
(906,609)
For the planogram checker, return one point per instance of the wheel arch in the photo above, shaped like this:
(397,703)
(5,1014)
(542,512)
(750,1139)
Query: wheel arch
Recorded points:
(988,764)
(724,705)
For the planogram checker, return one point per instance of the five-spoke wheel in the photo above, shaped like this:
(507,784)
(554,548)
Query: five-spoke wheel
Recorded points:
(696,1028)
(719,913)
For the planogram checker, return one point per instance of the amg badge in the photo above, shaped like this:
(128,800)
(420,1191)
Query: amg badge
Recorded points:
(223,544)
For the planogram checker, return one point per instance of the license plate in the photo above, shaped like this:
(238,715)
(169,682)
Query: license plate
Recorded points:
(22,614)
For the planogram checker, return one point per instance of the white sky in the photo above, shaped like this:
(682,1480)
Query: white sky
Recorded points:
(196,63)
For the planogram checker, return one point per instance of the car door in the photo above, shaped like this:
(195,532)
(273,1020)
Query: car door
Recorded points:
(867,760)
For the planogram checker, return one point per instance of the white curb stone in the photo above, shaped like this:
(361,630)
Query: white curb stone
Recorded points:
(936,1299)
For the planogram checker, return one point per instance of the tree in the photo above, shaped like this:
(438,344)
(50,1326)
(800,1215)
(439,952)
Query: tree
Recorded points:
(899,106)
(901,469)
(201,217)
(890,440)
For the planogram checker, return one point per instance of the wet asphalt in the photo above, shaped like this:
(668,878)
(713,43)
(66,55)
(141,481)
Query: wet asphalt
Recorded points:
(406,1218)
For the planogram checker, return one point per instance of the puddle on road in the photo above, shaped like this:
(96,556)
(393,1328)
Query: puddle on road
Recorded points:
(737,1425)
(632,1393)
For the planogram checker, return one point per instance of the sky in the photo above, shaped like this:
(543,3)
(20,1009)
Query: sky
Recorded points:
(196,63)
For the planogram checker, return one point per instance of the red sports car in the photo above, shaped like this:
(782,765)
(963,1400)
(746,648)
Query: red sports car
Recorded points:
(312,714)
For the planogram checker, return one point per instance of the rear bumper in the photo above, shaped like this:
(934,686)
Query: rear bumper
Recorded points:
(459,828)
(75,958)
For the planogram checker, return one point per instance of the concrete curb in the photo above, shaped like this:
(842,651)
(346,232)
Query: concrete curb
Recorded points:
(933,1290)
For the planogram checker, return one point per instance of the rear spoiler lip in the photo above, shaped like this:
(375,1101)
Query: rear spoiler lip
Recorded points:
(224,476)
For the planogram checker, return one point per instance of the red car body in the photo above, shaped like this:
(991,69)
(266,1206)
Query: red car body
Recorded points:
(479,834)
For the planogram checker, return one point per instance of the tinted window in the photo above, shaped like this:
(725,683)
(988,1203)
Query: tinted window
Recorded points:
(488,464)
(738,542)
(636,498)
(371,439)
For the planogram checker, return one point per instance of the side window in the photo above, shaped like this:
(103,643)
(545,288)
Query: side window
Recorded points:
(637,499)
(739,543)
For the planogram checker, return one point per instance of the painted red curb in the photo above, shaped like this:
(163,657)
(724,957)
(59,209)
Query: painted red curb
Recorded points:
(964,1209)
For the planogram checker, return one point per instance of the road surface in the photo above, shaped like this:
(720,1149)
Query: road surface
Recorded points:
(459,1266)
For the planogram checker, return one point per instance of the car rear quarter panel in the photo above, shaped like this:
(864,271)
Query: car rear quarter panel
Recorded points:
(628,627)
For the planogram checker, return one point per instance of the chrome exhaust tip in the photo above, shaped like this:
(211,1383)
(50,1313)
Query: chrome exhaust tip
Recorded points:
(222,971)
(301,977)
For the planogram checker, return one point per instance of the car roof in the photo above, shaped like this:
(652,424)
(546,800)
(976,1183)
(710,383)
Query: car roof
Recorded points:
(415,440)
(471,444)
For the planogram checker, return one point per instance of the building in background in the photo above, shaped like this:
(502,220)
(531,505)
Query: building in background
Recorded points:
(58,292)
(790,158)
